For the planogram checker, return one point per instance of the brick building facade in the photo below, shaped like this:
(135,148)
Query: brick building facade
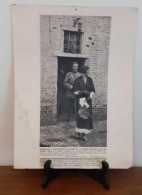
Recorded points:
(92,37)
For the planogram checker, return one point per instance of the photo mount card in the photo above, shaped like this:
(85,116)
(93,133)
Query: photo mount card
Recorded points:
(73,69)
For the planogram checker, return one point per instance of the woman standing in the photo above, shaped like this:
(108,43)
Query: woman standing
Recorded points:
(84,88)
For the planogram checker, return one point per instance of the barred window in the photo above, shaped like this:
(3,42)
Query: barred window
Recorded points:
(72,42)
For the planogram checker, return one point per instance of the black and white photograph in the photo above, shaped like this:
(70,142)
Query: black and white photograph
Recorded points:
(74,57)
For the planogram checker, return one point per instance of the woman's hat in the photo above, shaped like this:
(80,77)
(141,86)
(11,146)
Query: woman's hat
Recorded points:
(84,69)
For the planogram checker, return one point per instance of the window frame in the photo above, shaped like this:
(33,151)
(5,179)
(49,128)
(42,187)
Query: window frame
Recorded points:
(80,33)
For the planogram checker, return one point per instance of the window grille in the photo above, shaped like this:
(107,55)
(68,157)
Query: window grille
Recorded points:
(72,42)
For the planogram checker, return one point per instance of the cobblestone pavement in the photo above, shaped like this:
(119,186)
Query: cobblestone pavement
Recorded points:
(63,135)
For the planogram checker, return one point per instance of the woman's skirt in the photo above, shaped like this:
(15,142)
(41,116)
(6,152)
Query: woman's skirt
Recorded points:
(84,122)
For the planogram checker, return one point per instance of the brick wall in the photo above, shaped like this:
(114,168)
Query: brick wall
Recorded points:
(95,45)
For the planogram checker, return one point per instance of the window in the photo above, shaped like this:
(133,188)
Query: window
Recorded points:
(72,42)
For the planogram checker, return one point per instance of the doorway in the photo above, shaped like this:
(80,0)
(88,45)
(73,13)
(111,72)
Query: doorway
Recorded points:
(65,66)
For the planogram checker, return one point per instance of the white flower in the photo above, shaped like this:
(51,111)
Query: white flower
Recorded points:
(83,102)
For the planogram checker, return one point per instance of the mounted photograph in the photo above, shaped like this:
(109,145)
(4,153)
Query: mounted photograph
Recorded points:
(73,86)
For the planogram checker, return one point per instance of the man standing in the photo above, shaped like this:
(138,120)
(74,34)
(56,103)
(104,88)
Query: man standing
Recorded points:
(68,83)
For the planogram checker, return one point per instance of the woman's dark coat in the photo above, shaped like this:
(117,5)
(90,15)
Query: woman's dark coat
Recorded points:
(84,91)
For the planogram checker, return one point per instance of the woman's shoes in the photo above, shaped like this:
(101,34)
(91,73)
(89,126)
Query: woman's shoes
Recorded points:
(85,139)
(79,135)
(82,137)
